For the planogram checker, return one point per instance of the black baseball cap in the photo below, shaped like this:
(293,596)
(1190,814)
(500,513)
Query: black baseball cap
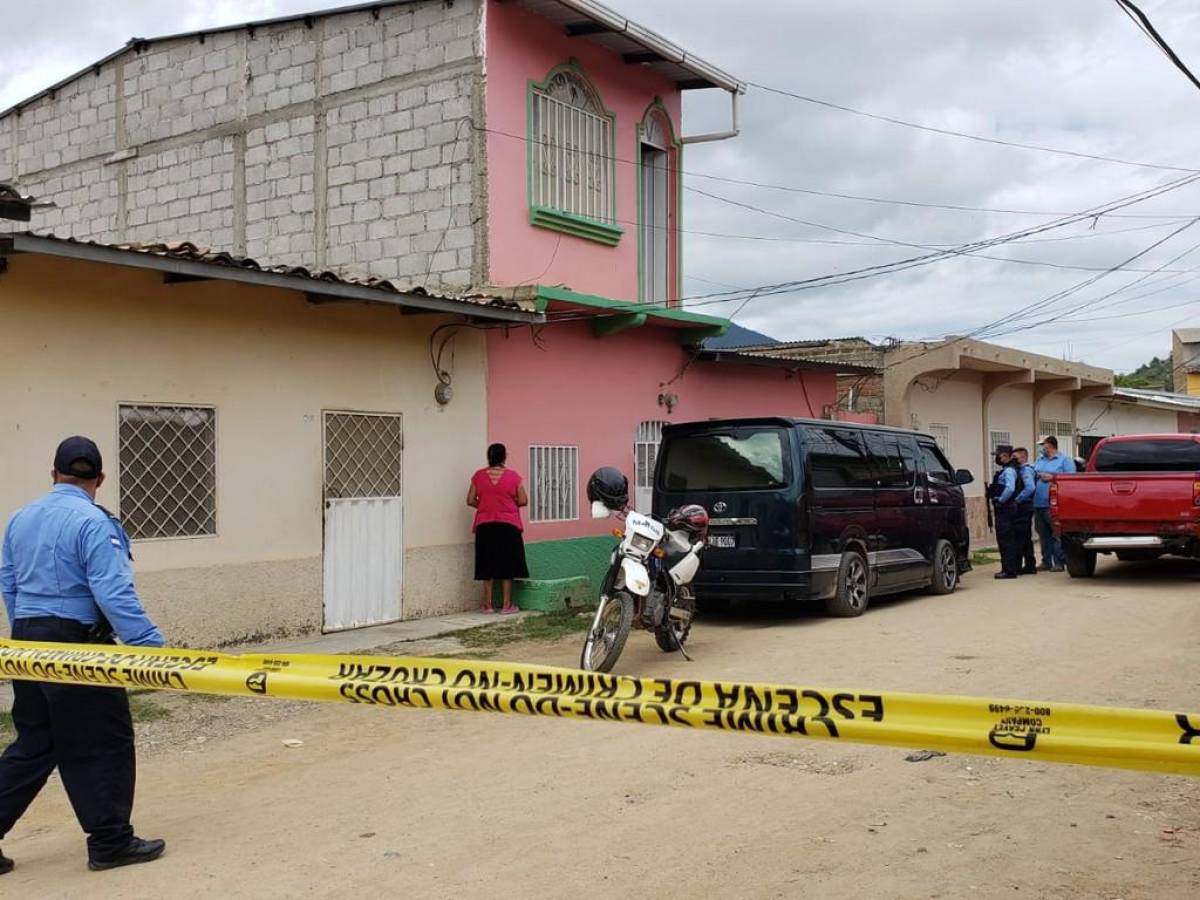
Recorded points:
(78,456)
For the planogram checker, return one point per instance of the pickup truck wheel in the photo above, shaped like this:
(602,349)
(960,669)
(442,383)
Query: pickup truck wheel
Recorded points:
(1081,563)
(853,577)
(943,578)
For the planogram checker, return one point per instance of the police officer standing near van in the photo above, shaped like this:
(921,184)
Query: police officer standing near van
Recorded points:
(66,578)
(1025,495)
(1003,494)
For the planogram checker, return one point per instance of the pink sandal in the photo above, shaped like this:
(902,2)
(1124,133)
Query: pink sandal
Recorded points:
(487,610)
(510,610)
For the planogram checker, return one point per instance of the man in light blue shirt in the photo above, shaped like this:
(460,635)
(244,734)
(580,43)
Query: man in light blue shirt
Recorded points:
(1049,463)
(65,577)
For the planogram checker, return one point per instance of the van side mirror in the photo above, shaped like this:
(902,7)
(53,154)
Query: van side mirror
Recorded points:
(963,476)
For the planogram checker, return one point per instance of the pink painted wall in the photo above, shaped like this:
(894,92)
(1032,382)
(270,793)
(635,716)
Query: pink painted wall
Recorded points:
(523,47)
(592,393)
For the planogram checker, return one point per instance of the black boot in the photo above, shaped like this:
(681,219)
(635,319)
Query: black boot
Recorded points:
(138,851)
(6,864)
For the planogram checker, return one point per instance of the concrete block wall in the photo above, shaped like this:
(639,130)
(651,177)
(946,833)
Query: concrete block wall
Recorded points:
(342,142)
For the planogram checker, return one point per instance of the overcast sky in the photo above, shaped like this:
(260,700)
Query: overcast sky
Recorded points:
(1071,74)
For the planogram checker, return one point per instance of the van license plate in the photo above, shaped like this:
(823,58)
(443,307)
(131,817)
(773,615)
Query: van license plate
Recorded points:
(723,540)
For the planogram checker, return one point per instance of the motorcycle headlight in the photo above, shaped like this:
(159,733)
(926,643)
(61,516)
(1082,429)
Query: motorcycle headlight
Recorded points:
(641,543)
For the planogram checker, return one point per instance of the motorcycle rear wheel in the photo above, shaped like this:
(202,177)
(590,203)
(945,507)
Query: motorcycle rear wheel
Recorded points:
(668,642)
(605,641)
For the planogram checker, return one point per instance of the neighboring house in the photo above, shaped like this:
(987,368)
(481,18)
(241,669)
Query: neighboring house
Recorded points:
(1185,360)
(1136,411)
(272,439)
(474,146)
(969,395)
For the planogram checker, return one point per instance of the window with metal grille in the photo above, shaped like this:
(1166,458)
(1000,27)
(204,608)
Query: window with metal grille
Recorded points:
(645,453)
(1000,437)
(168,463)
(554,483)
(941,437)
(571,153)
(363,455)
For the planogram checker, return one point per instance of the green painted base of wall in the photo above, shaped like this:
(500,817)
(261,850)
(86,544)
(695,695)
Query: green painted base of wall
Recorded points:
(553,594)
(563,573)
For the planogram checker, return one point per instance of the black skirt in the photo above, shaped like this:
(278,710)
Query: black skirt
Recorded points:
(499,552)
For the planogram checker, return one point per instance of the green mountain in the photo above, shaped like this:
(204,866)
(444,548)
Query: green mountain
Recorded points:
(1154,375)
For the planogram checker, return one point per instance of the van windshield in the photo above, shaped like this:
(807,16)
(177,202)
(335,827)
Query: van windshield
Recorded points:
(740,460)
(1169,455)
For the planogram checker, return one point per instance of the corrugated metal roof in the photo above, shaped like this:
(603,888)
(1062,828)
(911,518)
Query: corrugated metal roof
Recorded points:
(196,262)
(1161,398)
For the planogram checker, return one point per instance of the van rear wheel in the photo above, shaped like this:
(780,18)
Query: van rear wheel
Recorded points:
(851,597)
(943,579)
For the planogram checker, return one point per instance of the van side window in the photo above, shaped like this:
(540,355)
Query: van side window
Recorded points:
(936,466)
(890,467)
(836,459)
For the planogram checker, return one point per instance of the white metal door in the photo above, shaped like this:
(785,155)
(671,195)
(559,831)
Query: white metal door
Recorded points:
(364,520)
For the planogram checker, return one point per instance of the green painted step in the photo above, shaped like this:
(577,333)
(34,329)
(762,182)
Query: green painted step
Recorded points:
(550,594)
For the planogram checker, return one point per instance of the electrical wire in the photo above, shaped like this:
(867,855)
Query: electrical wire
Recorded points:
(885,240)
(742,182)
(949,132)
(1140,19)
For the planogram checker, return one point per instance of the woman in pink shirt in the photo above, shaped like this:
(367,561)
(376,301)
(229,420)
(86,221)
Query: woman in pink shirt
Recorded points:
(498,493)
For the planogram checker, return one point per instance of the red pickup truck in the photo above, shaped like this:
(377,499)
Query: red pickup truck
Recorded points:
(1138,497)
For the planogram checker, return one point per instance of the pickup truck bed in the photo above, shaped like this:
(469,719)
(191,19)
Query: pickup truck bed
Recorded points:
(1137,514)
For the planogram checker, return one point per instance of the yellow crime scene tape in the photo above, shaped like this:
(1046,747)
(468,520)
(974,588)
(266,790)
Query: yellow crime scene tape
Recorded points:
(1151,740)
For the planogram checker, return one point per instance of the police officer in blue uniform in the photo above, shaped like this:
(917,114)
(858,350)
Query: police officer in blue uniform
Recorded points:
(1028,480)
(65,576)
(1003,494)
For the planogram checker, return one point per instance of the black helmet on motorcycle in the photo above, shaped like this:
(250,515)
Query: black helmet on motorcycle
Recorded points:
(692,518)
(610,487)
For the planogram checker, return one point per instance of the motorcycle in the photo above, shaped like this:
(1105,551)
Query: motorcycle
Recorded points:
(648,582)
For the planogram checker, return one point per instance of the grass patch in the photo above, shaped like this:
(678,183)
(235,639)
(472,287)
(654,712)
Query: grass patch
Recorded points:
(985,557)
(545,628)
(146,710)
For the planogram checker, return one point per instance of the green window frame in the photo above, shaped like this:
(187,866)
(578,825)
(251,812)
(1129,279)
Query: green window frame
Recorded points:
(572,167)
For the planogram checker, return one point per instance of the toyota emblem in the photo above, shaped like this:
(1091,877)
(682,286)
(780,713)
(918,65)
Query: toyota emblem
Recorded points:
(720,506)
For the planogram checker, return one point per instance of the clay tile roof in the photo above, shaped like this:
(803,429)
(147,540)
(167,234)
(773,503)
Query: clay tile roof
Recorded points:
(513,300)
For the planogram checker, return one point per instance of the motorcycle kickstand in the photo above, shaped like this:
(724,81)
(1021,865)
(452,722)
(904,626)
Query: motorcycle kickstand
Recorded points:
(678,642)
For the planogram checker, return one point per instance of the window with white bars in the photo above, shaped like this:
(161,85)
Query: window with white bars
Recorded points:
(1000,437)
(1058,429)
(168,463)
(941,437)
(554,483)
(571,151)
(645,452)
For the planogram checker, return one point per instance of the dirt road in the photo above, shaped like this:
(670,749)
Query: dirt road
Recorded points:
(432,804)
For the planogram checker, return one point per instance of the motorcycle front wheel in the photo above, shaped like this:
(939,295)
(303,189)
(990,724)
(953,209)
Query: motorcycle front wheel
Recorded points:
(606,639)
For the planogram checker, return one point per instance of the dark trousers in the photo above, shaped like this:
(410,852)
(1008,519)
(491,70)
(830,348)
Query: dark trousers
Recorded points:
(87,732)
(1052,551)
(1025,535)
(1008,539)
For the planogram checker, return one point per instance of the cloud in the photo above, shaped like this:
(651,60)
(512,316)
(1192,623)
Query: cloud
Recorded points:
(1074,74)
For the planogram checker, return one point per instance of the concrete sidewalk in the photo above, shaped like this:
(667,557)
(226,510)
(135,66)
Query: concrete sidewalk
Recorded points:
(356,640)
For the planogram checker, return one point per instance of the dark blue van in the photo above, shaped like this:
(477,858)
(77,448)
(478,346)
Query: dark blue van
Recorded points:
(813,509)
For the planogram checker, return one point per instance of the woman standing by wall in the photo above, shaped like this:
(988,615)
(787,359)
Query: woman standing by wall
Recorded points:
(497,493)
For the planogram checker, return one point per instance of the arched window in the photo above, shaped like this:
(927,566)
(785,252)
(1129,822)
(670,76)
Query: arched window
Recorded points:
(571,160)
